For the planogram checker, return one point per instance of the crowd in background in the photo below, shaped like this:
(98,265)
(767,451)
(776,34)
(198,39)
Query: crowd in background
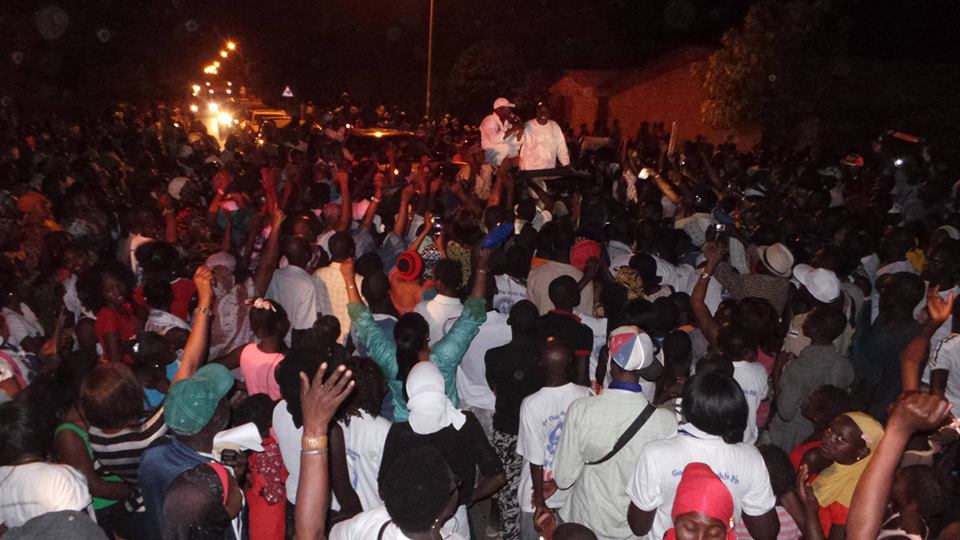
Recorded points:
(580,335)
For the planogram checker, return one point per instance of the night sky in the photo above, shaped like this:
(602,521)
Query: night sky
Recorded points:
(87,50)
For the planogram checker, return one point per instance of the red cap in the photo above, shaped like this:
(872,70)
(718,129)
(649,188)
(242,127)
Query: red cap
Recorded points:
(409,266)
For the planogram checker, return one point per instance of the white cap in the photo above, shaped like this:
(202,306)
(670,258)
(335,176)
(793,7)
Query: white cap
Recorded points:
(776,258)
(502,102)
(823,284)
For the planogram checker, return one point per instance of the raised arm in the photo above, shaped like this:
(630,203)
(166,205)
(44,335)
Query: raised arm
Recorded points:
(195,350)
(269,257)
(663,185)
(346,204)
(708,325)
(367,223)
(916,412)
(913,355)
(403,213)
(380,348)
(319,400)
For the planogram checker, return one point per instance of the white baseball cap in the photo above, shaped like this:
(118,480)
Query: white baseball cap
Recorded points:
(823,284)
(502,102)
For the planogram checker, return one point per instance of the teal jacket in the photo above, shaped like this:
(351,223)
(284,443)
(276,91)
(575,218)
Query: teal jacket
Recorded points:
(445,354)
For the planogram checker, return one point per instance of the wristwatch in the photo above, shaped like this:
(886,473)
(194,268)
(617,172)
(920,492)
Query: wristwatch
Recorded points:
(704,275)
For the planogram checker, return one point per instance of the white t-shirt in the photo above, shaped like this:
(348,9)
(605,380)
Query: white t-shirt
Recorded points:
(542,417)
(661,465)
(509,292)
(437,312)
(364,439)
(943,331)
(30,490)
(288,438)
(542,146)
(753,380)
(292,287)
(22,325)
(946,355)
(472,384)
(367,525)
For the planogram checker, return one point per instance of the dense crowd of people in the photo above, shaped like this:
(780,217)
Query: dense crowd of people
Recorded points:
(285,336)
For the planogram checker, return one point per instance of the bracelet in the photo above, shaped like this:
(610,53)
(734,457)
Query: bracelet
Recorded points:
(313,444)
(374,199)
(351,287)
(205,310)
(481,270)
(704,275)
(313,452)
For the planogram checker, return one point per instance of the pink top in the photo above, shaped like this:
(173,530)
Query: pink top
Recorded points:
(258,369)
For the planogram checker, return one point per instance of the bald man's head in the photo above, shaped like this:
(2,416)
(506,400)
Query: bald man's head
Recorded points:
(555,356)
(297,251)
(573,531)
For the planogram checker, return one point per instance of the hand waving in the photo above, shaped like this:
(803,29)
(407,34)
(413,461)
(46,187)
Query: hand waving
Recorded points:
(321,398)
(938,308)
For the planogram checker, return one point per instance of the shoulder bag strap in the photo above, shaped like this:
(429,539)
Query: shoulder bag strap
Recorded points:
(638,423)
(383,529)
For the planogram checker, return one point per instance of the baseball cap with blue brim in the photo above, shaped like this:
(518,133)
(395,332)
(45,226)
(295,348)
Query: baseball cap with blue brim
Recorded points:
(191,403)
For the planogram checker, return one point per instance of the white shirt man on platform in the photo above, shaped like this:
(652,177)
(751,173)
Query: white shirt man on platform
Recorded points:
(543,143)
(499,136)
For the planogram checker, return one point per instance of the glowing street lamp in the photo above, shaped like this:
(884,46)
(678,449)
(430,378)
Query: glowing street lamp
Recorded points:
(194,108)
(231,46)
(216,64)
(196,88)
(213,107)
(223,54)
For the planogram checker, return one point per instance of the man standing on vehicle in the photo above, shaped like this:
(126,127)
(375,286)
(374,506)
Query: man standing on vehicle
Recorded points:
(500,133)
(543,142)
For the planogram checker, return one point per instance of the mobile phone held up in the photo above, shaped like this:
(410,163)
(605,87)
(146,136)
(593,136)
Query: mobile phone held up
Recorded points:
(717,231)
(436,226)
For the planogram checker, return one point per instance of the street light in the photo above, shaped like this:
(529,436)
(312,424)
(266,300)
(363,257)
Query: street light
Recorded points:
(223,54)
(429,57)
(194,108)
(231,46)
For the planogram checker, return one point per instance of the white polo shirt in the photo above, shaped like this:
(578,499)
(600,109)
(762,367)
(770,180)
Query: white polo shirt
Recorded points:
(661,465)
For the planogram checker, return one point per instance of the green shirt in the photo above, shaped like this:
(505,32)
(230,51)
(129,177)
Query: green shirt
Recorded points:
(98,503)
(445,354)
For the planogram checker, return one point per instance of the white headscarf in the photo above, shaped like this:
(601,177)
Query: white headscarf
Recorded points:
(430,410)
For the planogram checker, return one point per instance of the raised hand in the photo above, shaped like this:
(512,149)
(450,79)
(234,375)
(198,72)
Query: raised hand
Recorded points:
(320,398)
(938,308)
(203,279)
(918,412)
